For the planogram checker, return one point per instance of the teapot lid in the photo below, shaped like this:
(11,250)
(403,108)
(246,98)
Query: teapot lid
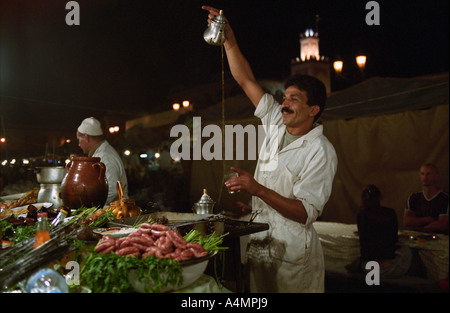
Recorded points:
(219,18)
(205,198)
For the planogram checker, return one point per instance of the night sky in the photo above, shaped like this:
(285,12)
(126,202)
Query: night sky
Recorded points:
(129,57)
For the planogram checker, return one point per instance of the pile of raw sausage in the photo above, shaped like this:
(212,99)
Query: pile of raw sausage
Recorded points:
(152,239)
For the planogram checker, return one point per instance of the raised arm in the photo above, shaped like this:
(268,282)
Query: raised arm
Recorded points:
(239,66)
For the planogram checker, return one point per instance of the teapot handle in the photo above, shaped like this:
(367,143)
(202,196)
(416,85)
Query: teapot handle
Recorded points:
(101,174)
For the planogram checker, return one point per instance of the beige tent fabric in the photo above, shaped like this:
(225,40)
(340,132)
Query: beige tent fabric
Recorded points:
(387,151)
(387,95)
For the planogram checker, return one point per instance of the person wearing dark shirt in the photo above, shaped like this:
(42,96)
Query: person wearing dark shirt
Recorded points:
(427,210)
(378,236)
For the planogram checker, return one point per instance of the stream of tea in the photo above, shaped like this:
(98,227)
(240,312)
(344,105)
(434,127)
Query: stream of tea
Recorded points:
(223,126)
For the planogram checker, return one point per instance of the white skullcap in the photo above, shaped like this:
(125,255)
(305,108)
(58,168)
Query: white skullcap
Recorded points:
(91,127)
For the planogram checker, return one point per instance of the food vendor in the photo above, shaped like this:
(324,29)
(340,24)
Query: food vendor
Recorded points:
(291,189)
(92,142)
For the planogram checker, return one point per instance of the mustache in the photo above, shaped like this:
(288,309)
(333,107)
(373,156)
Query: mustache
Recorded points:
(286,110)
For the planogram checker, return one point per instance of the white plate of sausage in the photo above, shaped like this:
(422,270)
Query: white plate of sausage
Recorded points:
(162,242)
(116,232)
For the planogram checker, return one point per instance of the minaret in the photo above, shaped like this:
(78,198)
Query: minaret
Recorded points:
(310,62)
(309,45)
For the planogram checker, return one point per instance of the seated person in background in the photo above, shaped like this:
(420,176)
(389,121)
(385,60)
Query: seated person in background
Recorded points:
(378,236)
(427,210)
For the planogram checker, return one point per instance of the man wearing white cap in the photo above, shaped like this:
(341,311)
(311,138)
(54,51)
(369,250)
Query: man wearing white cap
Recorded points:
(91,141)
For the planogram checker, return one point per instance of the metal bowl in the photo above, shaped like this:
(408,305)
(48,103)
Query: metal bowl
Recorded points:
(50,175)
(203,208)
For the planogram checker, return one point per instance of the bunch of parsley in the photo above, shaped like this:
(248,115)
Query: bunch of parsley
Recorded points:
(108,273)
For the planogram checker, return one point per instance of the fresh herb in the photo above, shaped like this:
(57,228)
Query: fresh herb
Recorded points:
(211,242)
(79,245)
(108,273)
(141,220)
(108,216)
(22,233)
(6,228)
(83,213)
(16,233)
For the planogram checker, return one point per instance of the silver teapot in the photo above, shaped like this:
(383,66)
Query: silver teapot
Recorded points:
(215,33)
(205,205)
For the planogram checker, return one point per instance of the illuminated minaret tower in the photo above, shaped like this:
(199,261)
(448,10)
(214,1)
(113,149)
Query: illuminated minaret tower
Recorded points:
(310,62)
(309,45)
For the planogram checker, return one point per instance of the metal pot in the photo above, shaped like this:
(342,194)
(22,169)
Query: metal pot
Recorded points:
(50,175)
(215,33)
(203,208)
(205,205)
(50,193)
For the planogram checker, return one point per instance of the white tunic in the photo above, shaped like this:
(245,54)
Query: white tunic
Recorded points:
(288,257)
(115,170)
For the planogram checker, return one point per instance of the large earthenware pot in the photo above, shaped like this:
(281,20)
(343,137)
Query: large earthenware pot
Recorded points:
(85,183)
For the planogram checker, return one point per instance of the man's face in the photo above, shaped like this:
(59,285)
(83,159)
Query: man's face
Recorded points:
(428,175)
(295,109)
(83,142)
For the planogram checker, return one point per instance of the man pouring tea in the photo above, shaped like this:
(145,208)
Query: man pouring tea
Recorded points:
(291,185)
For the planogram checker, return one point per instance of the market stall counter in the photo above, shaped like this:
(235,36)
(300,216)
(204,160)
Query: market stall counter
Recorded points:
(203,234)
(236,231)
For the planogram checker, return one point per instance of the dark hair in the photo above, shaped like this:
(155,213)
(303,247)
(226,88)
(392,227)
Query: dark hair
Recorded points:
(371,192)
(314,88)
(371,197)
